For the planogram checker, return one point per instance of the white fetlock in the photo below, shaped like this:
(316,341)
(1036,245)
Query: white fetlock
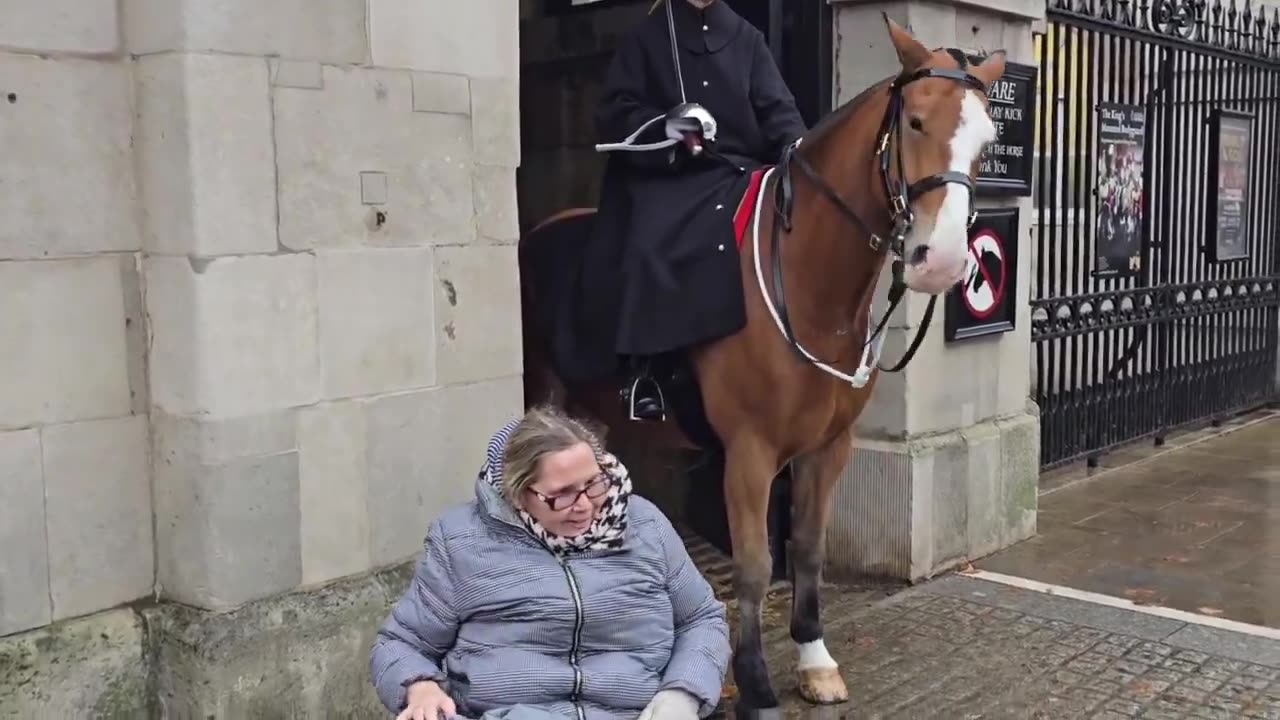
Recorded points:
(819,675)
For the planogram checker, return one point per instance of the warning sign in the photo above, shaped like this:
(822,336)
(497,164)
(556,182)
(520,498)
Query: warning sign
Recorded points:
(983,302)
(984,274)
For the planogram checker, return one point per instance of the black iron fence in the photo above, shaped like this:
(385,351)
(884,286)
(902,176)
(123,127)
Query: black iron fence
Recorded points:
(1156,295)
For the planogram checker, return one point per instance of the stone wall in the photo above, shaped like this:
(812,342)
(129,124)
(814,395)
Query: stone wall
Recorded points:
(259,292)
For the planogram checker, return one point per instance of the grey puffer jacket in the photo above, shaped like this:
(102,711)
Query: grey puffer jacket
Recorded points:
(499,621)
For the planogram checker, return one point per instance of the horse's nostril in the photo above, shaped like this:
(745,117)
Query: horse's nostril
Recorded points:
(919,254)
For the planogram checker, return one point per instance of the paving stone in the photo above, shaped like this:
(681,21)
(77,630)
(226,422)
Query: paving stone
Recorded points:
(919,658)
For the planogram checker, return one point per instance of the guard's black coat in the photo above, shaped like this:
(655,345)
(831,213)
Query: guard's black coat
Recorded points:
(660,271)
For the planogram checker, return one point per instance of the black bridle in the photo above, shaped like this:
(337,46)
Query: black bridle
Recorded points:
(899,192)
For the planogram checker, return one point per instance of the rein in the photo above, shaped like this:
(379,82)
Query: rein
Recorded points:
(900,195)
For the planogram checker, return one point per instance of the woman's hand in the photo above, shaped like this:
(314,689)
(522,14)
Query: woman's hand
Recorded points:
(427,701)
(671,705)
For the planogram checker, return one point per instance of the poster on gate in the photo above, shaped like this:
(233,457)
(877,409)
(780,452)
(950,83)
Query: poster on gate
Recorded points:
(1119,191)
(1227,219)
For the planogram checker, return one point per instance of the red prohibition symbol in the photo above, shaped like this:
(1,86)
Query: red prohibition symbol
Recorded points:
(985,274)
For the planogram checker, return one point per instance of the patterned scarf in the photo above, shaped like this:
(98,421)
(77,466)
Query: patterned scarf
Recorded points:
(608,528)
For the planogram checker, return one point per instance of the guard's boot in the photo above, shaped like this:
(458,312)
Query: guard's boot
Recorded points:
(644,396)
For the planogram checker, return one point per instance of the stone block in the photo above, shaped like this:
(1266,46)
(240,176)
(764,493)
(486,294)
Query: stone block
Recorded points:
(296,74)
(497,216)
(95,666)
(495,121)
(376,321)
(986,529)
(479,37)
(228,528)
(64,337)
(334,489)
(217,441)
(77,26)
(205,156)
(477,313)
(98,502)
(67,145)
(331,31)
(945,476)
(870,530)
(1019,476)
(912,509)
(304,654)
(233,336)
(24,564)
(363,121)
(441,92)
(423,449)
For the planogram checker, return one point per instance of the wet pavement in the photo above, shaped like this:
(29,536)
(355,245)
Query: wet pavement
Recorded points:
(962,647)
(1195,527)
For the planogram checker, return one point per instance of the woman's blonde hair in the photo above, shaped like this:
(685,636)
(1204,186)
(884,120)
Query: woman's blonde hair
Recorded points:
(542,431)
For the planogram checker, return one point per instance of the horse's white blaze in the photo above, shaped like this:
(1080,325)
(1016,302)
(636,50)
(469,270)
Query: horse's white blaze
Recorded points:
(814,655)
(948,236)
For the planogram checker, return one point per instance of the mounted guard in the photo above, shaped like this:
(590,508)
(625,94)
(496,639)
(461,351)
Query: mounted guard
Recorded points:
(693,102)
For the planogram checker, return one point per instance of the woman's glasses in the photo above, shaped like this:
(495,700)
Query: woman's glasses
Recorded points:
(594,489)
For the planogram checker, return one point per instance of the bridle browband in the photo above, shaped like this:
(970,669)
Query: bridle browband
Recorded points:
(899,193)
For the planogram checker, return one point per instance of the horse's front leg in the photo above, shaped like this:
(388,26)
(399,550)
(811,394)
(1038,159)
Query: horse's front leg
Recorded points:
(814,477)
(747,480)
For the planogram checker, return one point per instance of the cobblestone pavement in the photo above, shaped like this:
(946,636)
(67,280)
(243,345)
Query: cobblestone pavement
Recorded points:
(965,648)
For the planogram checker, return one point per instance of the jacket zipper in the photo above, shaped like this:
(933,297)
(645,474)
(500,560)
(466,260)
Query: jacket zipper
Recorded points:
(577,638)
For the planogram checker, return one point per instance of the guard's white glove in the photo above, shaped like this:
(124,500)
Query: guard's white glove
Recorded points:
(671,705)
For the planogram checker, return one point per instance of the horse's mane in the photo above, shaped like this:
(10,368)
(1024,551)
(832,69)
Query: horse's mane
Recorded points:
(834,118)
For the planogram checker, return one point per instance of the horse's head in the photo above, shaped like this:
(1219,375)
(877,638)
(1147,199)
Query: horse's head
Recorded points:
(931,157)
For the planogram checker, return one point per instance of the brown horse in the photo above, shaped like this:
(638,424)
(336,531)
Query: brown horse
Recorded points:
(889,172)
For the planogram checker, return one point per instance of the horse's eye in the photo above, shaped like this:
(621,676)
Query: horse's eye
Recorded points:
(917,124)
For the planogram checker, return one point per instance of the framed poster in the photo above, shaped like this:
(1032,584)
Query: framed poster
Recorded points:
(1118,235)
(1006,164)
(1229,201)
(985,301)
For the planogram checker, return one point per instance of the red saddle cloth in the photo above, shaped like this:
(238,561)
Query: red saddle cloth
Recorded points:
(747,206)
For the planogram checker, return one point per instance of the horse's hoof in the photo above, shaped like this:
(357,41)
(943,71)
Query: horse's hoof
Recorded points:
(823,686)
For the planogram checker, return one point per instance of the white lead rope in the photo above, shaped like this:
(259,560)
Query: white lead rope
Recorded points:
(870,349)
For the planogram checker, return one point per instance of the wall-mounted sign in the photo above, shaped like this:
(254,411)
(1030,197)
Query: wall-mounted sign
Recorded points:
(1006,164)
(985,301)
(1118,237)
(1230,146)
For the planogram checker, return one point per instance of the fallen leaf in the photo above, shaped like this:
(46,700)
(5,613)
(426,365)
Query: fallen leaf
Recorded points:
(968,569)
(865,642)
(1141,596)
(728,692)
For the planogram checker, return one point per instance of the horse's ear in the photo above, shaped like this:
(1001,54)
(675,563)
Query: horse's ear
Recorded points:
(990,69)
(912,54)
